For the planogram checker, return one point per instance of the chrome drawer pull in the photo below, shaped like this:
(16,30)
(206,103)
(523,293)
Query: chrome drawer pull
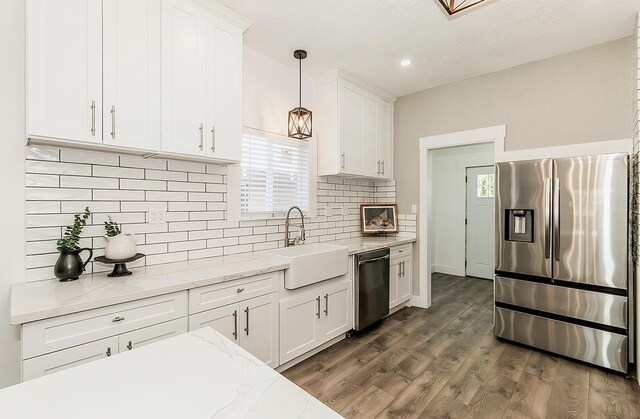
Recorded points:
(318,300)
(130,345)
(109,351)
(117,319)
(239,290)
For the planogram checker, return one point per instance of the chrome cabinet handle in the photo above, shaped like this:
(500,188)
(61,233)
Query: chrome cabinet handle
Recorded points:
(318,300)
(383,167)
(109,351)
(93,118)
(246,310)
(403,266)
(378,166)
(399,269)
(113,121)
(130,345)
(213,138)
(239,290)
(117,319)
(326,304)
(201,146)
(344,159)
(235,324)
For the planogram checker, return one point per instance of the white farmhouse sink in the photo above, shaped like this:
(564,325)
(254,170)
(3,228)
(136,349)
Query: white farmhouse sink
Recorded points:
(311,263)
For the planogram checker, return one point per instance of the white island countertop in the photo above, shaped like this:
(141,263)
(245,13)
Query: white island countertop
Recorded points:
(34,301)
(196,375)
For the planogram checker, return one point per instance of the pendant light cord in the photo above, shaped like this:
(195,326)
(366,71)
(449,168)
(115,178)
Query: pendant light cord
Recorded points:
(300,83)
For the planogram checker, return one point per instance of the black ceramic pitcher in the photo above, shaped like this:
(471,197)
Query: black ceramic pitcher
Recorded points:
(70,266)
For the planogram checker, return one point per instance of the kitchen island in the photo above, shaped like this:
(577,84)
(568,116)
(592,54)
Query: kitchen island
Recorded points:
(200,374)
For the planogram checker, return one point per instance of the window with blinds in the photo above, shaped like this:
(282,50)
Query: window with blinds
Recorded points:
(275,174)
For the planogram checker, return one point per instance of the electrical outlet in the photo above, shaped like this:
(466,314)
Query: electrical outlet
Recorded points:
(414,209)
(156,216)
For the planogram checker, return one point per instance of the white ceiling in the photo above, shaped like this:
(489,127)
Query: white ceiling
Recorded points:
(368,38)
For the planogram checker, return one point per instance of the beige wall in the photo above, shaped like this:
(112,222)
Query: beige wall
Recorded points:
(573,98)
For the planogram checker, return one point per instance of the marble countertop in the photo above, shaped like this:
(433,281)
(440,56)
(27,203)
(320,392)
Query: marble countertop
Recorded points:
(200,374)
(34,301)
(367,244)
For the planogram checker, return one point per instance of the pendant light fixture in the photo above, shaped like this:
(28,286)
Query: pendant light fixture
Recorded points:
(456,6)
(300,118)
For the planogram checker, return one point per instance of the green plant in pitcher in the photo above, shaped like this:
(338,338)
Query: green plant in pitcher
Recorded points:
(71,236)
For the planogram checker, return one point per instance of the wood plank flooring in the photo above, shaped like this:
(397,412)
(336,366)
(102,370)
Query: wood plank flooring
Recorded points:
(445,362)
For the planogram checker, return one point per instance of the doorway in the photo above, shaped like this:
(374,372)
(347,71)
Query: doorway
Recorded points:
(480,192)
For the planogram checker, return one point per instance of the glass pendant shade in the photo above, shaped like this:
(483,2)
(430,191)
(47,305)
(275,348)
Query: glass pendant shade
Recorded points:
(300,123)
(455,6)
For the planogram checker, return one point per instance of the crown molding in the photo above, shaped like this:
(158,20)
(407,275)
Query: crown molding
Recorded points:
(343,75)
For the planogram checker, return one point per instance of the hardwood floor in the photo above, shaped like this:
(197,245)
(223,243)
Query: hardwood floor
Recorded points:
(445,362)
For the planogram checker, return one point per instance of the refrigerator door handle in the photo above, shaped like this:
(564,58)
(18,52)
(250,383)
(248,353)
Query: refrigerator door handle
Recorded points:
(556,219)
(547,218)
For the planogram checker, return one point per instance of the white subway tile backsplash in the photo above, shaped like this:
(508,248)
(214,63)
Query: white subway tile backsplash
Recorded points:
(143,185)
(88,157)
(91,182)
(166,196)
(42,207)
(119,172)
(165,175)
(43,181)
(186,166)
(61,183)
(117,195)
(142,163)
(51,194)
(57,168)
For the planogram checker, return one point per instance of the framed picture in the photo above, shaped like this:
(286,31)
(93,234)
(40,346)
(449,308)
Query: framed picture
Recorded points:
(378,218)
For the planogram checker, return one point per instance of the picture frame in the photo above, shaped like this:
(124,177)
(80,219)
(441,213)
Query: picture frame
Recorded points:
(379,218)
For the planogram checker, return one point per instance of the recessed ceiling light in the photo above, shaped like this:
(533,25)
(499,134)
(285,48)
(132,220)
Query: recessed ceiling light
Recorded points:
(405,63)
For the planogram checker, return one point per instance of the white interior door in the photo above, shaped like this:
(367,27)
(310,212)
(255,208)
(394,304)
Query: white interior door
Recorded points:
(480,221)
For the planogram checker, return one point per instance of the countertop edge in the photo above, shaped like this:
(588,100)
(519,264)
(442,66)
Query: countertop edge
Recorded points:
(20,319)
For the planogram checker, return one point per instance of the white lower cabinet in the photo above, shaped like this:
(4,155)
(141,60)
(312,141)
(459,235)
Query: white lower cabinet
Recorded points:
(399,281)
(252,324)
(312,318)
(67,358)
(142,337)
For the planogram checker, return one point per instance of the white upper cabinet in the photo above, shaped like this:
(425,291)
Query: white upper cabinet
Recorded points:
(355,127)
(64,70)
(131,73)
(160,77)
(202,83)
(184,41)
(224,83)
(351,129)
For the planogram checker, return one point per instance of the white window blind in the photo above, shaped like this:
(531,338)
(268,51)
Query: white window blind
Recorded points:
(275,174)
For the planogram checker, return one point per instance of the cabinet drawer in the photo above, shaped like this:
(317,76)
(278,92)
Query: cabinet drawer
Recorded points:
(74,329)
(62,360)
(151,334)
(401,251)
(218,295)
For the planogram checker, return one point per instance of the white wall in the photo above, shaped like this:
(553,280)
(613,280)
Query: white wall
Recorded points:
(12,32)
(449,201)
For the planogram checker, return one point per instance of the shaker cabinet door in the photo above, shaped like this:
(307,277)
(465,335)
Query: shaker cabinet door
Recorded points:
(131,72)
(224,319)
(184,38)
(64,70)
(351,105)
(67,358)
(259,328)
(336,310)
(299,325)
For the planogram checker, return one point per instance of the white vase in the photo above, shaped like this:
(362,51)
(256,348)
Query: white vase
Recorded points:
(122,246)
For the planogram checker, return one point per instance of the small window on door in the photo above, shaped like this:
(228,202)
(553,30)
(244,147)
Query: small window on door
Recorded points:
(486,185)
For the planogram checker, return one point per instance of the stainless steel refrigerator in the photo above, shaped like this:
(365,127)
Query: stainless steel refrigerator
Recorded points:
(562,254)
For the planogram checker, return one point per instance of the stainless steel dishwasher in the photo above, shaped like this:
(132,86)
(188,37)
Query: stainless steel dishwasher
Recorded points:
(372,287)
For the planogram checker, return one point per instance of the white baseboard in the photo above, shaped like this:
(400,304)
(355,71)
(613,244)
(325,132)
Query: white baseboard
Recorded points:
(449,270)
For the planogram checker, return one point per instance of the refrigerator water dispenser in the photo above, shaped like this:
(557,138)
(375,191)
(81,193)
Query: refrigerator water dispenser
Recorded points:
(519,226)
